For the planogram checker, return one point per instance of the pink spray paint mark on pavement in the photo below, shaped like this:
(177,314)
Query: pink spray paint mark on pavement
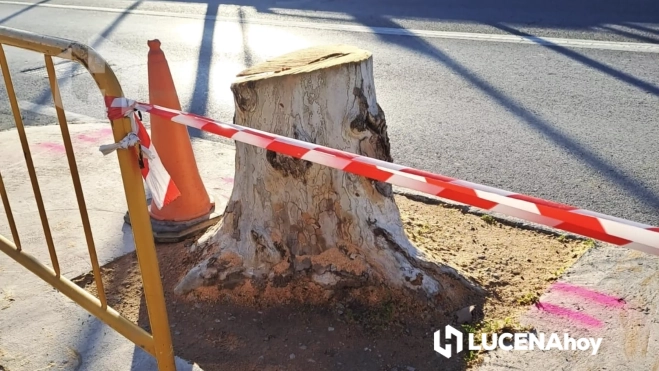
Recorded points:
(226,180)
(570,314)
(55,147)
(590,295)
(88,138)
(95,136)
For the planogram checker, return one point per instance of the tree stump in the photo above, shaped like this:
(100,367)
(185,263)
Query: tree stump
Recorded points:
(291,218)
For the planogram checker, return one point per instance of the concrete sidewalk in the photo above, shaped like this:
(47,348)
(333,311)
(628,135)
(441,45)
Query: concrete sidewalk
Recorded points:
(39,327)
(42,329)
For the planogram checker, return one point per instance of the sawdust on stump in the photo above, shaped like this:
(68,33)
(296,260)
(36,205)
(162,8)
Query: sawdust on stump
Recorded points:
(302,326)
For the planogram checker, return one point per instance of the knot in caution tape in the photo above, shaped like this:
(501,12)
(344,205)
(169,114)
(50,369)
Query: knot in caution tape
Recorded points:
(129,140)
(153,171)
(122,107)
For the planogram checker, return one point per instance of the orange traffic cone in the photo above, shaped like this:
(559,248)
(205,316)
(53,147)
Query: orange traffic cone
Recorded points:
(172,141)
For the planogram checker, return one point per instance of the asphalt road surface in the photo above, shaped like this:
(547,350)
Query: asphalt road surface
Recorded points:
(570,121)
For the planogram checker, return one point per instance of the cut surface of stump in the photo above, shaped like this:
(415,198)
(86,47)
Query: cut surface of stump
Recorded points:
(289,218)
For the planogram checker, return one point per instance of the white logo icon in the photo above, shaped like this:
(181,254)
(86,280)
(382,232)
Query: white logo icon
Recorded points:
(450,331)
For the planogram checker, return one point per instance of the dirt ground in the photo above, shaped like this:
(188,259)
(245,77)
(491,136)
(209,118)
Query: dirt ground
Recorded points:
(301,328)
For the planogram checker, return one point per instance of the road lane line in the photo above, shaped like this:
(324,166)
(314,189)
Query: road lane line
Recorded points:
(533,40)
(50,111)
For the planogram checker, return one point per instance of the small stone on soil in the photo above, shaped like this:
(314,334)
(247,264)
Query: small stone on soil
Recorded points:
(330,329)
(464,315)
(292,356)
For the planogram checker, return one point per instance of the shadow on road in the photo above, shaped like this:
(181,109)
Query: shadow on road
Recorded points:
(625,181)
(248,55)
(46,96)
(560,14)
(588,62)
(200,95)
(642,29)
(26,9)
(628,34)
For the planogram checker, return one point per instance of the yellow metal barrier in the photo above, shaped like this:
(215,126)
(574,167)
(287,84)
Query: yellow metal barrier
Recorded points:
(160,343)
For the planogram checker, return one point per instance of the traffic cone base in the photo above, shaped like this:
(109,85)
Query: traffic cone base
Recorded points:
(170,232)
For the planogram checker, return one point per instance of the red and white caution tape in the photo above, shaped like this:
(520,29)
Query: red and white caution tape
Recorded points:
(602,227)
(156,177)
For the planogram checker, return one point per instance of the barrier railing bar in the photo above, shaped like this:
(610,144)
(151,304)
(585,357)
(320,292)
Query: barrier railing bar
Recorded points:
(133,184)
(86,300)
(28,159)
(73,167)
(10,216)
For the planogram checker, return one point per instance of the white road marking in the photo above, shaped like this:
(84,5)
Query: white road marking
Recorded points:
(50,111)
(575,43)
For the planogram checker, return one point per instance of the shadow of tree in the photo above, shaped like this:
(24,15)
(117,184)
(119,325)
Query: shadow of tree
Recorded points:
(628,34)
(24,10)
(642,28)
(46,96)
(200,95)
(588,62)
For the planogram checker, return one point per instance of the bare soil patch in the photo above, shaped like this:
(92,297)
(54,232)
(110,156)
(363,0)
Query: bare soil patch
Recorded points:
(302,327)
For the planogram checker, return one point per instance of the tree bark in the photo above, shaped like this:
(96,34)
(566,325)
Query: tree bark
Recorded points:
(291,218)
